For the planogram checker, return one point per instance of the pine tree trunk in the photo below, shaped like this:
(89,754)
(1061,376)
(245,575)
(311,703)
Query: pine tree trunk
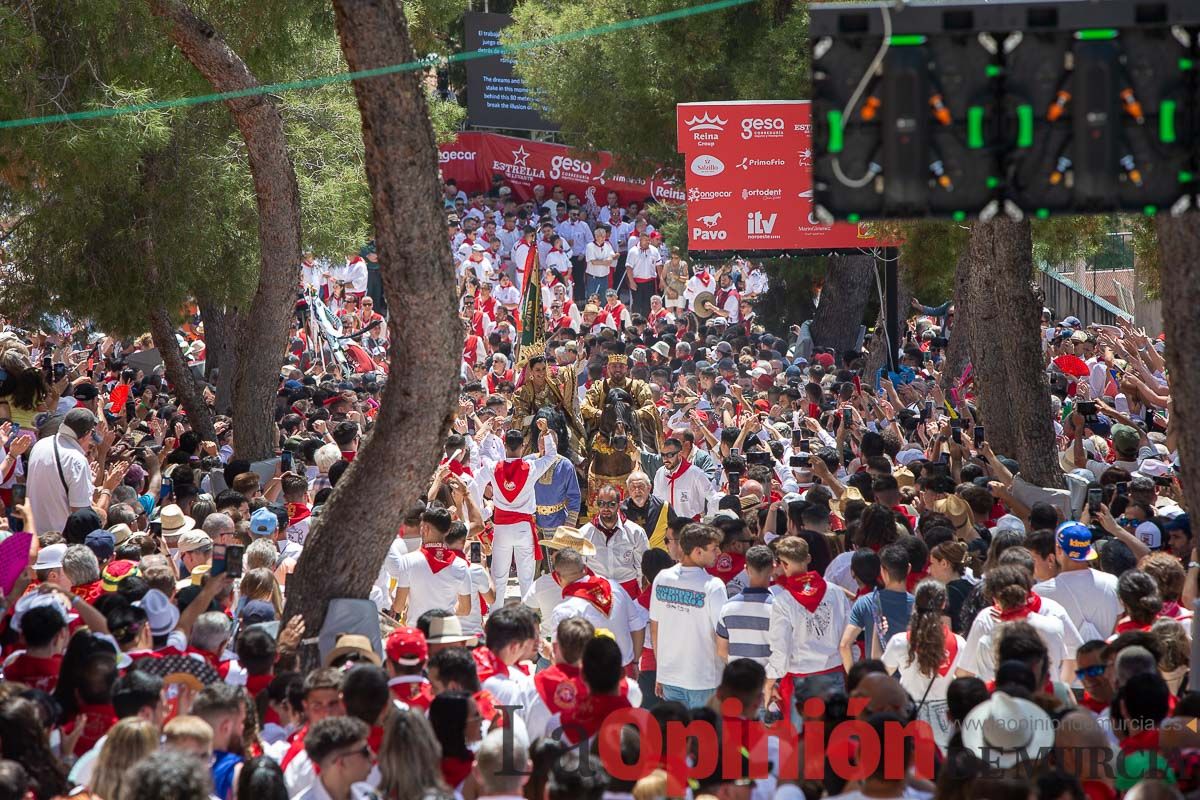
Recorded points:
(958,354)
(262,336)
(877,358)
(1178,244)
(162,330)
(849,282)
(1009,367)
(394,466)
(220,337)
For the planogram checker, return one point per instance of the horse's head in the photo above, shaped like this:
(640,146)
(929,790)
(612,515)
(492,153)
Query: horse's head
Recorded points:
(555,421)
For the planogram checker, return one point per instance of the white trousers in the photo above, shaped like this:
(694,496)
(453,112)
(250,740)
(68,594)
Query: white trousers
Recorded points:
(510,541)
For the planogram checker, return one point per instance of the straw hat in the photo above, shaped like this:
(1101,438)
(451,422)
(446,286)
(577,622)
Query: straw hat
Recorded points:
(446,630)
(174,521)
(957,510)
(1008,729)
(568,537)
(353,643)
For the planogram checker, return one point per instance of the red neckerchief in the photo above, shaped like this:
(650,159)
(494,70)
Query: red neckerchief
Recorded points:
(456,770)
(616,312)
(904,512)
(257,683)
(417,695)
(684,464)
(348,455)
(705,278)
(655,316)
(594,589)
(557,688)
(298,512)
(471,349)
(808,589)
(1033,604)
(951,645)
(1171,610)
(295,748)
(608,532)
(91,592)
(438,556)
(511,476)
(487,705)
(1146,740)
(457,468)
(1098,790)
(910,583)
(1092,703)
(585,719)
(1129,625)
(727,566)
(488,665)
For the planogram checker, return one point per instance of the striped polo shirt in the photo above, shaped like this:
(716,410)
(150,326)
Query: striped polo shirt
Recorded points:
(745,620)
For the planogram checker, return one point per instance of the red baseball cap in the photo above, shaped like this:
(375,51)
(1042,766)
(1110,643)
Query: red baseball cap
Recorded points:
(762,405)
(406,646)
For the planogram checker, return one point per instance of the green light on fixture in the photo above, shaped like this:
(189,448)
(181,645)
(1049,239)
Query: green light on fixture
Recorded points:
(959,216)
(1150,211)
(1024,125)
(975,127)
(1166,121)
(853,217)
(909,40)
(993,70)
(1043,213)
(1186,63)
(1096,34)
(992,182)
(1184,176)
(835,131)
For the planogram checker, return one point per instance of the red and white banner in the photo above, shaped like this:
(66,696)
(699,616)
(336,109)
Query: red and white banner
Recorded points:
(474,158)
(749,178)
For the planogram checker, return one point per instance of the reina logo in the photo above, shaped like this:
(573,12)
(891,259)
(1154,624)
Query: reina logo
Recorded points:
(705,123)
(758,225)
(707,166)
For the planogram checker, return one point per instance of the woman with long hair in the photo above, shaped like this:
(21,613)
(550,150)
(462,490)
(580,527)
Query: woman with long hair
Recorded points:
(926,657)
(410,758)
(24,738)
(261,584)
(1141,600)
(128,742)
(23,386)
(456,723)
(948,564)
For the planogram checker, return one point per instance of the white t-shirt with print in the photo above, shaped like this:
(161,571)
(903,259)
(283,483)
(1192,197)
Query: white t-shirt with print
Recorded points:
(429,590)
(686,603)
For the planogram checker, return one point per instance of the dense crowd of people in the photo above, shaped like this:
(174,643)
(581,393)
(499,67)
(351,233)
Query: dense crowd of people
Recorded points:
(658,505)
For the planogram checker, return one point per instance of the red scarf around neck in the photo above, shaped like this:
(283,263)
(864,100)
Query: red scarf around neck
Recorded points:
(438,556)
(607,531)
(298,512)
(1033,604)
(488,664)
(951,649)
(683,467)
(558,688)
(808,589)
(728,566)
(705,278)
(585,719)
(594,589)
(1129,625)
(1145,740)
(511,476)
(457,468)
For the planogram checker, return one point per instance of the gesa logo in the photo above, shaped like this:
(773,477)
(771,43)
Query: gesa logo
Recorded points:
(762,127)
(561,164)
(445,156)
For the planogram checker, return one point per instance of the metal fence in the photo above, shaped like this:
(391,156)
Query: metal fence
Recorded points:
(1066,298)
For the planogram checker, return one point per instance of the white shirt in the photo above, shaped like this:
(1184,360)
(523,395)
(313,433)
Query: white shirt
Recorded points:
(919,685)
(756,283)
(695,286)
(50,504)
(520,254)
(620,234)
(481,582)
(1089,597)
(525,501)
(686,603)
(354,273)
(804,642)
(543,596)
(577,233)
(626,617)
(560,262)
(429,590)
(382,592)
(688,494)
(618,558)
(514,689)
(979,656)
(596,253)
(507,240)
(644,263)
(507,295)
(838,571)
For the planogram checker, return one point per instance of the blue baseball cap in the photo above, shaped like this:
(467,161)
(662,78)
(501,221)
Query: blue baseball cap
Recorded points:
(263,522)
(1075,540)
(101,542)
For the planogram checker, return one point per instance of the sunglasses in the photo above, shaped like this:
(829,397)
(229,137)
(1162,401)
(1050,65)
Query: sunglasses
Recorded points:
(607,503)
(669,453)
(1094,671)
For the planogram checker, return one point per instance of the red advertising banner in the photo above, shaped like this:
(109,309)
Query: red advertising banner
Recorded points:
(749,179)
(473,158)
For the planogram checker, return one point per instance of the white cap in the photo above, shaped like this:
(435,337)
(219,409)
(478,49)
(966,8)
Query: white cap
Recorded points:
(50,557)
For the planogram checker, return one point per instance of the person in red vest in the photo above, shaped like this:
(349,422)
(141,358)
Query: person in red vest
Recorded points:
(557,686)
(407,651)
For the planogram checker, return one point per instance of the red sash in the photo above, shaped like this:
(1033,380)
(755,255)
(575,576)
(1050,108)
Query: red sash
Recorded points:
(457,468)
(471,348)
(595,590)
(808,589)
(558,688)
(1033,604)
(437,556)
(502,516)
(417,695)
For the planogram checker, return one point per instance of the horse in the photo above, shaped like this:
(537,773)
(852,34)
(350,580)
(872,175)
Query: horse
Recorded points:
(615,450)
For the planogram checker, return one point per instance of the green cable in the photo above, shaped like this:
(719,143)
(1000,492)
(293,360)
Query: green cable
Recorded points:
(345,77)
